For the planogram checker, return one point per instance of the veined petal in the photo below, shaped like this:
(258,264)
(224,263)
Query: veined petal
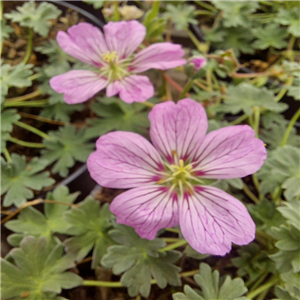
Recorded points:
(78,85)
(124,160)
(84,42)
(210,220)
(230,152)
(158,56)
(177,127)
(147,209)
(133,88)
(124,37)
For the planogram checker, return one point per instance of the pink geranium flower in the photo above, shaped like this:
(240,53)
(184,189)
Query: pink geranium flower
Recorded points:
(198,62)
(167,179)
(115,64)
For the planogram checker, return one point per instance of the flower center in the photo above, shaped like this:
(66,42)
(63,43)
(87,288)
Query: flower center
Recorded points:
(113,68)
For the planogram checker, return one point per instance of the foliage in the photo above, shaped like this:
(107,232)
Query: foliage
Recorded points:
(96,3)
(291,19)
(213,287)
(64,147)
(140,259)
(34,223)
(18,178)
(89,225)
(8,118)
(36,18)
(5,30)
(117,115)
(37,271)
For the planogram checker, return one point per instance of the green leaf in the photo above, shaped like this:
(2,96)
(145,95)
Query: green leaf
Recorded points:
(66,146)
(18,178)
(270,36)
(281,168)
(60,111)
(291,211)
(117,115)
(37,271)
(190,252)
(283,294)
(290,18)
(15,76)
(140,260)
(8,118)
(5,30)
(96,3)
(252,261)
(245,97)
(89,224)
(36,18)
(213,287)
(181,14)
(235,13)
(32,222)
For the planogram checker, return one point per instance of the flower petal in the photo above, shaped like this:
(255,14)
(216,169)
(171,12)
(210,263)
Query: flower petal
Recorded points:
(147,209)
(230,152)
(124,160)
(124,37)
(84,42)
(78,85)
(133,88)
(158,56)
(210,220)
(177,127)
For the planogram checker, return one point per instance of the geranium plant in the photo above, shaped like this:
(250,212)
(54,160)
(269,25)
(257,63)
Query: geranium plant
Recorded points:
(196,157)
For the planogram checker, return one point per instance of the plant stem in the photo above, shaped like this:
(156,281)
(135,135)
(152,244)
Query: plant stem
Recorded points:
(36,103)
(29,46)
(173,246)
(33,129)
(256,120)
(250,194)
(259,281)
(189,273)
(284,90)
(238,120)
(256,182)
(39,118)
(168,240)
(186,89)
(7,155)
(290,127)
(25,97)
(264,287)
(194,40)
(173,230)
(26,144)
(205,5)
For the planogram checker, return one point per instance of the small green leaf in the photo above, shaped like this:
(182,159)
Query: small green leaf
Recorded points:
(282,168)
(290,18)
(212,287)
(117,115)
(181,14)
(36,18)
(18,178)
(96,3)
(15,76)
(89,224)
(140,260)
(66,146)
(5,30)
(32,222)
(37,271)
(235,13)
(270,36)
(245,97)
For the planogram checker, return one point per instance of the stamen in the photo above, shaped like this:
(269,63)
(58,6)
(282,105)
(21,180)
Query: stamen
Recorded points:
(110,56)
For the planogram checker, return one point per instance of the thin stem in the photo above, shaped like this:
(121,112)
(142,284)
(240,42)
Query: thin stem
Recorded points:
(36,103)
(194,40)
(33,129)
(34,76)
(173,83)
(256,182)
(7,155)
(189,273)
(186,89)
(284,90)
(29,46)
(25,97)
(205,5)
(264,287)
(290,127)
(170,240)
(250,194)
(238,120)
(256,120)
(173,246)
(111,284)
(39,118)
(259,281)
(173,230)
(26,144)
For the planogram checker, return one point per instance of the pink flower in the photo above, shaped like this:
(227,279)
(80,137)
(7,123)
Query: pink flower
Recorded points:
(198,62)
(115,64)
(167,179)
